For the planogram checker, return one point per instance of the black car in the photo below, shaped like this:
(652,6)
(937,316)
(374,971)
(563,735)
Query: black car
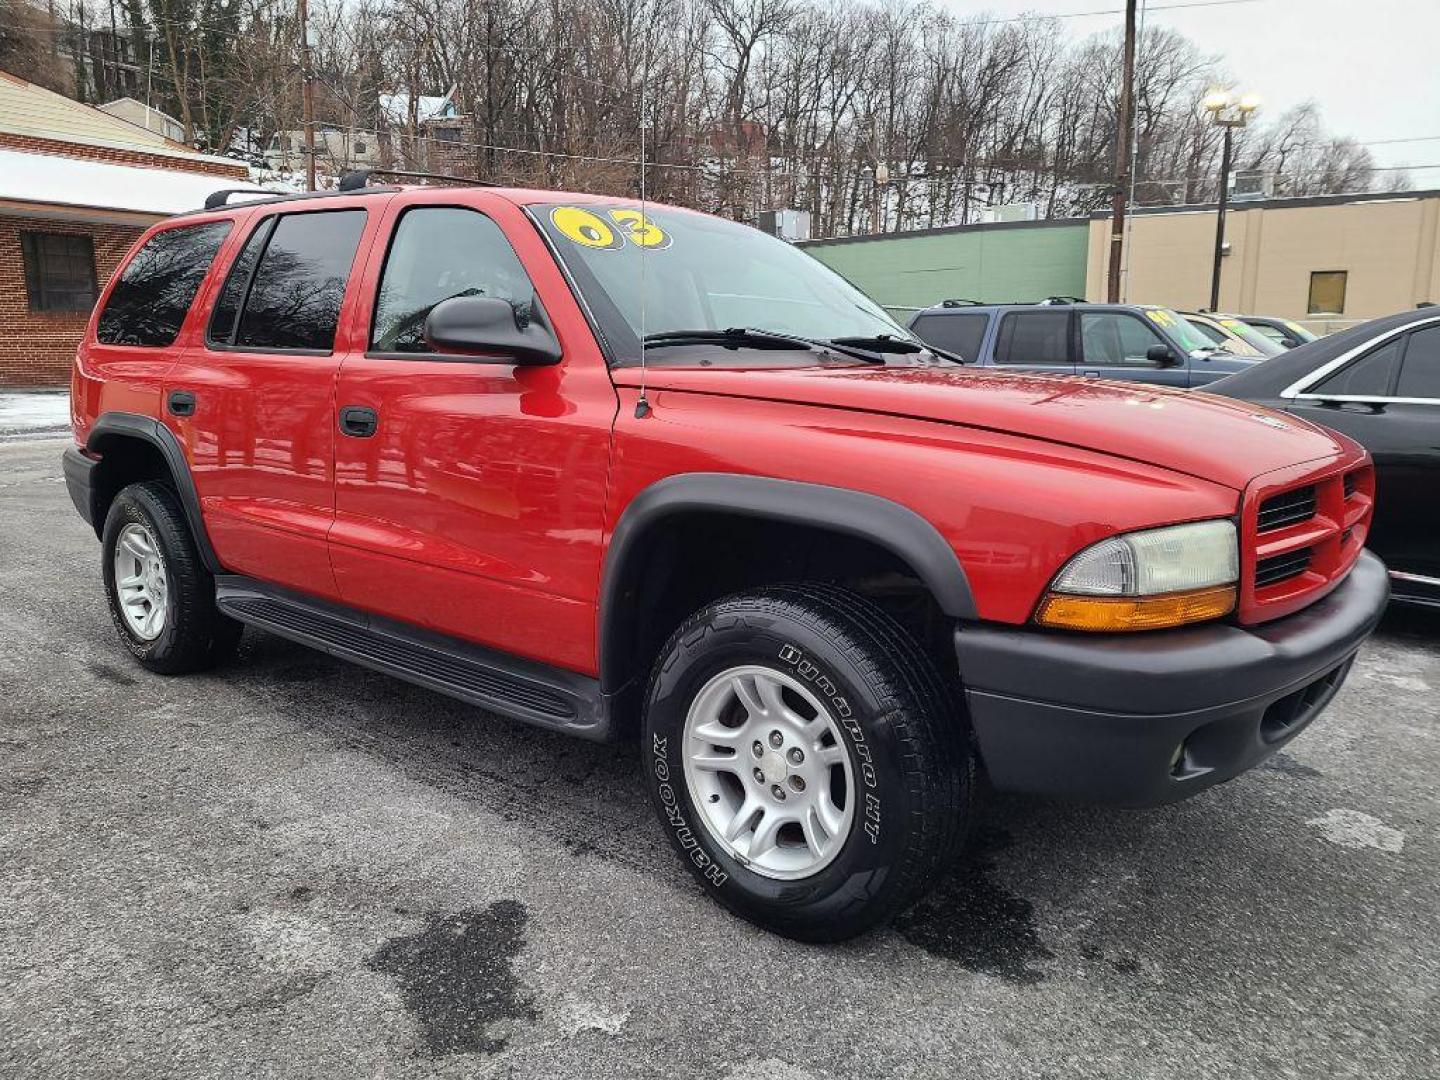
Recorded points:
(1379,383)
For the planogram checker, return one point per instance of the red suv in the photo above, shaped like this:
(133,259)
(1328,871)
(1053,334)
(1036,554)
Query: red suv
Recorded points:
(640,473)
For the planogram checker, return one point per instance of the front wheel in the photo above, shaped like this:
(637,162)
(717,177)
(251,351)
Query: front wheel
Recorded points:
(805,760)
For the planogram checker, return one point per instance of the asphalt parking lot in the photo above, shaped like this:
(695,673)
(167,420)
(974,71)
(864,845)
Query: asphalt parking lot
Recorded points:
(294,868)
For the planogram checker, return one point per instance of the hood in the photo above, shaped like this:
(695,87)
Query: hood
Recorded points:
(1218,439)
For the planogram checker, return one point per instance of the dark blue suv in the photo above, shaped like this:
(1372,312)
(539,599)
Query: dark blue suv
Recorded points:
(1137,342)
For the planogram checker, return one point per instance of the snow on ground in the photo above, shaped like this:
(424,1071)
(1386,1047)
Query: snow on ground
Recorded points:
(33,412)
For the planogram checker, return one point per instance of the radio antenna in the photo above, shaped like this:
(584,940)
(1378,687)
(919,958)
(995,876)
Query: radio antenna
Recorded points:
(642,404)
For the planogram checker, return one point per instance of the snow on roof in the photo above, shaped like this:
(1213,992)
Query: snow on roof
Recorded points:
(395,108)
(42,178)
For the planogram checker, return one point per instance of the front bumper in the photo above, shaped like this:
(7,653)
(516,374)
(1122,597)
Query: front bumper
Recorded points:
(1101,718)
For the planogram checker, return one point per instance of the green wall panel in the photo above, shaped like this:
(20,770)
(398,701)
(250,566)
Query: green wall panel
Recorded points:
(993,264)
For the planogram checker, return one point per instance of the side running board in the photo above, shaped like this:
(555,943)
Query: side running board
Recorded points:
(523,689)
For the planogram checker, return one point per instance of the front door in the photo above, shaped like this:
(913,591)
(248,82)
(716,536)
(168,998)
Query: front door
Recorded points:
(475,505)
(261,430)
(1116,344)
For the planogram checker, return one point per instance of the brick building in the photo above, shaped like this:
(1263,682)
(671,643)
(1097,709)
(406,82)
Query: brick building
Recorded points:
(77,186)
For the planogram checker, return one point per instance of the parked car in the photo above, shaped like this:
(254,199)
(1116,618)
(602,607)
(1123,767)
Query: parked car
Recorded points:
(1284,332)
(1378,383)
(1134,342)
(1233,335)
(640,473)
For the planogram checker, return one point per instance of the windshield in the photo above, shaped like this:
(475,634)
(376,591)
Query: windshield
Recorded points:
(1180,330)
(1254,338)
(700,273)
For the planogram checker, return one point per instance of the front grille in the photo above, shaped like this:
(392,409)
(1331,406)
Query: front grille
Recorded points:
(1287,508)
(1280,568)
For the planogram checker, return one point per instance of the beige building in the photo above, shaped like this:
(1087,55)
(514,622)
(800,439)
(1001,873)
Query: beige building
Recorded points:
(1327,261)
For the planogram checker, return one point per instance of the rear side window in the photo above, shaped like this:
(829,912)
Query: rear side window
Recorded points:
(1420,375)
(441,252)
(959,334)
(1034,337)
(156,288)
(1370,376)
(288,283)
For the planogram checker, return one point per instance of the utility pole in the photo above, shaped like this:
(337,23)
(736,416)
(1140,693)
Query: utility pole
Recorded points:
(1124,122)
(307,95)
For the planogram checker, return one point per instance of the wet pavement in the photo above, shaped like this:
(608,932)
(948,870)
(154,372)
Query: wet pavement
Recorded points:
(294,868)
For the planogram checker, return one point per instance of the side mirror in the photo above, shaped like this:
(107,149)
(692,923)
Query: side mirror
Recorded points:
(488,325)
(1162,356)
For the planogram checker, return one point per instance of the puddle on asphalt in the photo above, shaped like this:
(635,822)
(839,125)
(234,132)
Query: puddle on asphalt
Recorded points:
(971,920)
(457,978)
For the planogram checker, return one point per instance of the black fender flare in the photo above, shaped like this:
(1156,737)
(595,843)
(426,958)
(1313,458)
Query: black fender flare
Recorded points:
(122,425)
(894,527)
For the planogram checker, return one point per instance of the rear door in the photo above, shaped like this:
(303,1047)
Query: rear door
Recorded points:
(1388,399)
(255,399)
(1114,344)
(1035,339)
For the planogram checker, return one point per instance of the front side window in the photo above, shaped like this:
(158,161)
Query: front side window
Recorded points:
(301,264)
(59,271)
(1112,337)
(1369,376)
(150,301)
(1420,373)
(1034,337)
(1327,292)
(673,270)
(959,334)
(438,253)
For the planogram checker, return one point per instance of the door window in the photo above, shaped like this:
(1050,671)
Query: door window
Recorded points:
(1034,337)
(292,299)
(1369,376)
(959,334)
(1420,374)
(1115,338)
(441,252)
(156,288)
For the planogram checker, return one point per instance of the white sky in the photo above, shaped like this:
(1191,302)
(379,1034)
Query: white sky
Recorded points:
(1371,66)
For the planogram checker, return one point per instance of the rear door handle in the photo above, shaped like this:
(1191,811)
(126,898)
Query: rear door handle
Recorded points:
(358,422)
(181,403)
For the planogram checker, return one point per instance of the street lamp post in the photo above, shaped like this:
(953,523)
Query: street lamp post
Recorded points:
(1229,114)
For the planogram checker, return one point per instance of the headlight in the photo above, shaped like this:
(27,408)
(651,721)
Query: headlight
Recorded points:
(1147,580)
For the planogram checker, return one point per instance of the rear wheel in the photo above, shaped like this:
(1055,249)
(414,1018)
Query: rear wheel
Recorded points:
(162,599)
(805,760)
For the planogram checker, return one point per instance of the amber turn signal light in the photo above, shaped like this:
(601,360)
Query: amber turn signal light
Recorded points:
(1120,613)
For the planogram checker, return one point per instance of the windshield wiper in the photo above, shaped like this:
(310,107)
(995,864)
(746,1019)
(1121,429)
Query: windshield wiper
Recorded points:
(881,343)
(736,337)
(740,337)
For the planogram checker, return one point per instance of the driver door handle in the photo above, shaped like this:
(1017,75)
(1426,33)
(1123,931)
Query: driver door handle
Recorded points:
(358,421)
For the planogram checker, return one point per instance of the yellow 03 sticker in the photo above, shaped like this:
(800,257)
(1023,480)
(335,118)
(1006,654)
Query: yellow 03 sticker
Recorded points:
(639,229)
(586,228)
(1161,316)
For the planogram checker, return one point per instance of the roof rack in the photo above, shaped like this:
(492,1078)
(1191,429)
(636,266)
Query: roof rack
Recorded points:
(1063,300)
(356,179)
(960,302)
(219,200)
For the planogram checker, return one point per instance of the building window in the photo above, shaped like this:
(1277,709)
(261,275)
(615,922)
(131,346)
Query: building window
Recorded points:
(359,147)
(450,135)
(1327,292)
(59,271)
